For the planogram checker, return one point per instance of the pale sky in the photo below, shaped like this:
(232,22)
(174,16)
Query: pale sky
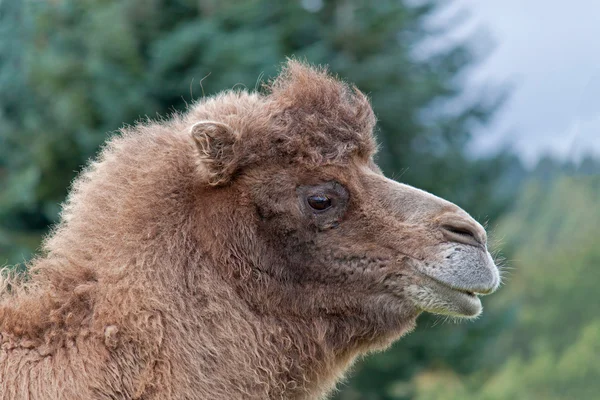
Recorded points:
(550,51)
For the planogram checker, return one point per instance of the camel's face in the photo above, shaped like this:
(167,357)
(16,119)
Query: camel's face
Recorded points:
(371,240)
(331,230)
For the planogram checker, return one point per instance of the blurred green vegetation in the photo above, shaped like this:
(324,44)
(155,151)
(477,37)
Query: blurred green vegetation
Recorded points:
(72,72)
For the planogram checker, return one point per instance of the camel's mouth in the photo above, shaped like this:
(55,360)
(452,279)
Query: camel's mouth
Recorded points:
(436,297)
(452,284)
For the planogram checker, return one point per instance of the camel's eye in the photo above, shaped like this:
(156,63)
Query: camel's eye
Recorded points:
(319,202)
(324,204)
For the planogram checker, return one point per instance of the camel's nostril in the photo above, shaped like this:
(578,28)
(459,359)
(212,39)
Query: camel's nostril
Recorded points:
(462,234)
(460,231)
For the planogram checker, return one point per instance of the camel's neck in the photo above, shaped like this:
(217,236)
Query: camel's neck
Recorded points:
(207,340)
(221,346)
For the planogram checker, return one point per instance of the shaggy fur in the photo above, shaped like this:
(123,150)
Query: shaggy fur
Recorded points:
(188,264)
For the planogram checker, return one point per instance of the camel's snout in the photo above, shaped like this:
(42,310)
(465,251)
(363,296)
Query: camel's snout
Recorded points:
(456,267)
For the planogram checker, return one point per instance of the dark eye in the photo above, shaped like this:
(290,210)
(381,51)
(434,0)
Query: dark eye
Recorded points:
(319,202)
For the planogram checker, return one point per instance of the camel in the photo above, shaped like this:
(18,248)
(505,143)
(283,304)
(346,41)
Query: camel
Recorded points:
(249,248)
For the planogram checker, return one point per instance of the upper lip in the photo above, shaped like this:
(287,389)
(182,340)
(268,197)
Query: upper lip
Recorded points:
(479,291)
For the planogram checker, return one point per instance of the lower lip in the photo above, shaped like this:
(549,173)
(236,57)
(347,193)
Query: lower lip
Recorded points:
(470,305)
(460,303)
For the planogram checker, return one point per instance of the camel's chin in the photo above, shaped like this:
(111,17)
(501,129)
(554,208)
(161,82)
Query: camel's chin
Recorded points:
(437,298)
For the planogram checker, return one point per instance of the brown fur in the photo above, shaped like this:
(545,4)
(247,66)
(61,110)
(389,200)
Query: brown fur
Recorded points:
(186,267)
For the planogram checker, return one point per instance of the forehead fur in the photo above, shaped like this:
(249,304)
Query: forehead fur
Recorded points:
(320,115)
(305,115)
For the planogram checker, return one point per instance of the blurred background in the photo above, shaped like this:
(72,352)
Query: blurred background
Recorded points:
(493,105)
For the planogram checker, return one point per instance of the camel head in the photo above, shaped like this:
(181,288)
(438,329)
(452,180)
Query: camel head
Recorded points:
(318,230)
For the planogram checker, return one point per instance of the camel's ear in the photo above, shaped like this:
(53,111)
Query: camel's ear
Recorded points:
(215,141)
